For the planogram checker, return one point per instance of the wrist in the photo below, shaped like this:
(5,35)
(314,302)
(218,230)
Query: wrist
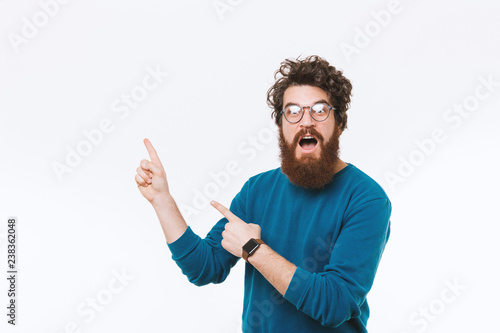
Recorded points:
(260,255)
(161,202)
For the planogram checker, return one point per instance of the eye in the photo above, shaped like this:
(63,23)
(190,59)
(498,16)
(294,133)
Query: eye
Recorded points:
(320,108)
(293,110)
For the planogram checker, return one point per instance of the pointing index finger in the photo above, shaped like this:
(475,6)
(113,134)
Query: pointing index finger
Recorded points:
(223,210)
(152,152)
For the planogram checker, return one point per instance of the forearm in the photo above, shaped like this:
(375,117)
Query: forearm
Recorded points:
(276,269)
(321,289)
(171,220)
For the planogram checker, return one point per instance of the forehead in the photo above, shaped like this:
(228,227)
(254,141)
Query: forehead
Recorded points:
(304,95)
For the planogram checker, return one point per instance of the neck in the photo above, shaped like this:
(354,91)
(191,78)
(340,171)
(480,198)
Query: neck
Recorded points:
(339,165)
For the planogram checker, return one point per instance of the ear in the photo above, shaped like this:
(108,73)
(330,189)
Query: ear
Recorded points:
(338,130)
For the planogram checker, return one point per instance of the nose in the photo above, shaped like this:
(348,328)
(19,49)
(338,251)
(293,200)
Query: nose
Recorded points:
(307,120)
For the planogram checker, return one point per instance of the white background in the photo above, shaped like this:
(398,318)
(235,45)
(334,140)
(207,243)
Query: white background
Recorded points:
(77,231)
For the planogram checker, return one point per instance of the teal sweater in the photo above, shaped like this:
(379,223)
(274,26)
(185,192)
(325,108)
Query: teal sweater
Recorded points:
(335,236)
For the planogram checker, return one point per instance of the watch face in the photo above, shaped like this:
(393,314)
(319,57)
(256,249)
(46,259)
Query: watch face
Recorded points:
(250,246)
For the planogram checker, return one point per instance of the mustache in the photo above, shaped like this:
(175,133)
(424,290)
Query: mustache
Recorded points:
(311,131)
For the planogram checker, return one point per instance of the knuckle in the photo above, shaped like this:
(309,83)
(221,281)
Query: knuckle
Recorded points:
(255,226)
(153,167)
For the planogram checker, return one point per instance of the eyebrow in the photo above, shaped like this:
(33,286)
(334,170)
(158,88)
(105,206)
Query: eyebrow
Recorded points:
(293,103)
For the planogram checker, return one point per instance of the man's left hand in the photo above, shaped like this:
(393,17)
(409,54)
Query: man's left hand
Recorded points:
(237,232)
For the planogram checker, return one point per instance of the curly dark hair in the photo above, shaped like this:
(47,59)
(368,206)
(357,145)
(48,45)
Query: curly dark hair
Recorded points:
(311,71)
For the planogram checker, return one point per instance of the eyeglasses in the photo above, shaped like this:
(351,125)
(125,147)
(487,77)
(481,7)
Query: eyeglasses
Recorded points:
(319,112)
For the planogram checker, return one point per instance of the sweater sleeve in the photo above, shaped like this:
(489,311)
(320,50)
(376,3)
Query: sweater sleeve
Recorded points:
(337,294)
(205,261)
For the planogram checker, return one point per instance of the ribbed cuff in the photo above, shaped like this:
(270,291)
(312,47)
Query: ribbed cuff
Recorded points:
(297,286)
(184,244)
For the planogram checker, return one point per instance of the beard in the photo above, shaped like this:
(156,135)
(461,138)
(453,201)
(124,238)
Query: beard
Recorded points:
(309,172)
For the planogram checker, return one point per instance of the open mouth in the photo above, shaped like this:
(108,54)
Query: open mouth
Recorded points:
(308,142)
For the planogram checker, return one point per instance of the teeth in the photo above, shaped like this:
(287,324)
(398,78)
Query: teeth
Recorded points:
(308,137)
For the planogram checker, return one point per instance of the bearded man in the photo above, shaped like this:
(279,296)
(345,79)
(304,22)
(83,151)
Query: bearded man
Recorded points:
(312,232)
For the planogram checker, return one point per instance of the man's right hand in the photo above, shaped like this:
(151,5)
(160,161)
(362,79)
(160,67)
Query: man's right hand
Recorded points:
(151,177)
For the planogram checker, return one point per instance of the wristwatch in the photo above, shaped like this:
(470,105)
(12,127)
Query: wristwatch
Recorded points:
(250,247)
